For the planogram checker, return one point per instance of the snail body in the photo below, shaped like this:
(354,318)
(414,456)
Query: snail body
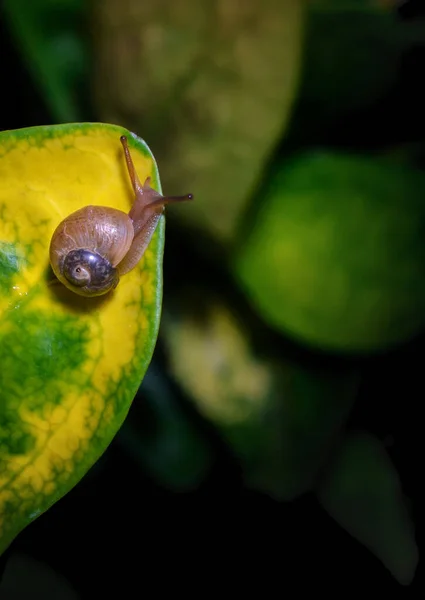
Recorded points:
(94,246)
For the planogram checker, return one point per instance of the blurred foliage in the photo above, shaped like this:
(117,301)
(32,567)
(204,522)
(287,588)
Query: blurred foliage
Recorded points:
(248,107)
(363,493)
(38,576)
(335,255)
(219,80)
(280,418)
(352,59)
(163,439)
(49,33)
(352,6)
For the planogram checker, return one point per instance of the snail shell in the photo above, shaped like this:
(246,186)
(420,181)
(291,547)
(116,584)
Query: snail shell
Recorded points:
(87,247)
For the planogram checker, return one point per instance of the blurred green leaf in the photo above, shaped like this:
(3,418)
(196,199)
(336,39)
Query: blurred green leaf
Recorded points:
(352,60)
(280,419)
(211,86)
(351,5)
(335,255)
(362,492)
(352,63)
(49,34)
(316,404)
(161,437)
(26,577)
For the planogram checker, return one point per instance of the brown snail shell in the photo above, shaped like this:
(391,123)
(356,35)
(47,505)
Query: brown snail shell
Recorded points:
(87,247)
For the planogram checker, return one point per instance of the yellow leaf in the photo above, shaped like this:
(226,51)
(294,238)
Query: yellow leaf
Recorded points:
(70,365)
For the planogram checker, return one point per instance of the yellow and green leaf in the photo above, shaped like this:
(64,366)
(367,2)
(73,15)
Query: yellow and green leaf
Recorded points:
(70,366)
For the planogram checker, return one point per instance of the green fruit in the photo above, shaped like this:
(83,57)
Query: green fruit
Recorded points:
(336,255)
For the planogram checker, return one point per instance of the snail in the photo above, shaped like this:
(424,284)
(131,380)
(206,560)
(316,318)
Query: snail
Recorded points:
(93,247)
